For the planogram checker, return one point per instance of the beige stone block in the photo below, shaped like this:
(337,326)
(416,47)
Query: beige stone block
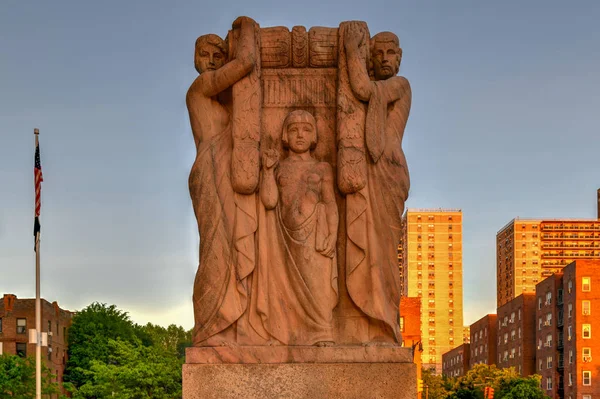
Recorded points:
(300,380)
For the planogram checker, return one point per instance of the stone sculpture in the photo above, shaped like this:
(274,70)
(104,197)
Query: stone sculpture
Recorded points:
(278,266)
(296,278)
(376,195)
(226,218)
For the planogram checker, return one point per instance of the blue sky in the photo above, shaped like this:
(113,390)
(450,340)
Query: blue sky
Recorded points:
(504,123)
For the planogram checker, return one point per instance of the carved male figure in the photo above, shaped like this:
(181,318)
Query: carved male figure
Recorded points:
(373,278)
(297,273)
(221,286)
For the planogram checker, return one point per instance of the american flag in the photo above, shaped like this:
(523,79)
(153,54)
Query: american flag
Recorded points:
(38,178)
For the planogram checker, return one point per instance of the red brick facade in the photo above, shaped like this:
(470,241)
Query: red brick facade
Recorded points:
(483,340)
(17,317)
(581,329)
(516,334)
(455,363)
(549,322)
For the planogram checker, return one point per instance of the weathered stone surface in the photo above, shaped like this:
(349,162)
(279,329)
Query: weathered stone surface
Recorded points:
(298,185)
(311,381)
(297,354)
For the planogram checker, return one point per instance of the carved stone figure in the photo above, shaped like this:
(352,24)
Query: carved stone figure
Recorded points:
(272,245)
(374,205)
(226,218)
(295,287)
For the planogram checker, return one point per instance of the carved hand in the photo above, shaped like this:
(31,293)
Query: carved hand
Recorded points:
(270,158)
(241,20)
(354,36)
(329,249)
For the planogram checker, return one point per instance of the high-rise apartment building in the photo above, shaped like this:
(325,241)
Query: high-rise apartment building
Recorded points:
(529,250)
(430,255)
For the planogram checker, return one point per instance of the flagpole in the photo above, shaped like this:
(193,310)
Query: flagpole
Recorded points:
(38,307)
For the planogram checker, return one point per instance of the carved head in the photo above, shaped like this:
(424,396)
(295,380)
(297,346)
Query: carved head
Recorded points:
(386,55)
(299,131)
(210,53)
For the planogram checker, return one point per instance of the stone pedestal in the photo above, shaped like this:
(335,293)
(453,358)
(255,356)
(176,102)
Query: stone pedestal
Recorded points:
(299,372)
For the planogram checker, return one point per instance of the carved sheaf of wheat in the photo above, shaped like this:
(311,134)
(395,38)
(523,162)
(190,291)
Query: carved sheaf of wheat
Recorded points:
(299,46)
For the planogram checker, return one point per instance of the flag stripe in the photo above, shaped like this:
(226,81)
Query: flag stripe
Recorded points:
(38,179)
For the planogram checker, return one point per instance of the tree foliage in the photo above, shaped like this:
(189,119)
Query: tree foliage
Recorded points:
(17,378)
(507,384)
(133,371)
(88,338)
(110,356)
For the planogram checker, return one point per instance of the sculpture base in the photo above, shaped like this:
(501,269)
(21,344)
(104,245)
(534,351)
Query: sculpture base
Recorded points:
(333,372)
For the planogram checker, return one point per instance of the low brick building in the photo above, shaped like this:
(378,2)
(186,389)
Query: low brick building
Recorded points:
(484,340)
(516,334)
(410,327)
(17,317)
(455,363)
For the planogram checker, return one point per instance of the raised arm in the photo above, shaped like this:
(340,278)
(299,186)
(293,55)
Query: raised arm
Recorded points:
(355,59)
(212,83)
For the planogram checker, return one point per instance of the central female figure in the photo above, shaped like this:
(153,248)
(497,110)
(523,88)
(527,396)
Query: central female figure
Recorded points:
(296,282)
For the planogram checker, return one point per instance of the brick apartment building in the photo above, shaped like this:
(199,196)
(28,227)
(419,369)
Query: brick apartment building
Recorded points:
(529,250)
(410,327)
(581,328)
(456,362)
(430,258)
(549,322)
(17,317)
(484,340)
(517,334)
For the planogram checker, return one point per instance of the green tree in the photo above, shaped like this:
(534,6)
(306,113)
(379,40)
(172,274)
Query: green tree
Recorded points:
(17,378)
(88,338)
(438,387)
(133,371)
(173,339)
(521,388)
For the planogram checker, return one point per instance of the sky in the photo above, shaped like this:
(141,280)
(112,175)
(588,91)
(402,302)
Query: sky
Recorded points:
(504,124)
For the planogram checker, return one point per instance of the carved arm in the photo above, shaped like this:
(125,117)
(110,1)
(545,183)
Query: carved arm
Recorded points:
(214,82)
(357,70)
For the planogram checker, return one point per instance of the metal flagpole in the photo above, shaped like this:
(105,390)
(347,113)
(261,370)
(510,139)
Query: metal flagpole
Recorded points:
(38,307)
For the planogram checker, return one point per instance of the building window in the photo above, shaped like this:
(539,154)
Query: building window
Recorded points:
(49,352)
(21,349)
(587,378)
(401,323)
(586,284)
(570,379)
(541,364)
(570,356)
(587,331)
(0,324)
(549,383)
(570,310)
(587,355)
(549,362)
(21,326)
(586,308)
